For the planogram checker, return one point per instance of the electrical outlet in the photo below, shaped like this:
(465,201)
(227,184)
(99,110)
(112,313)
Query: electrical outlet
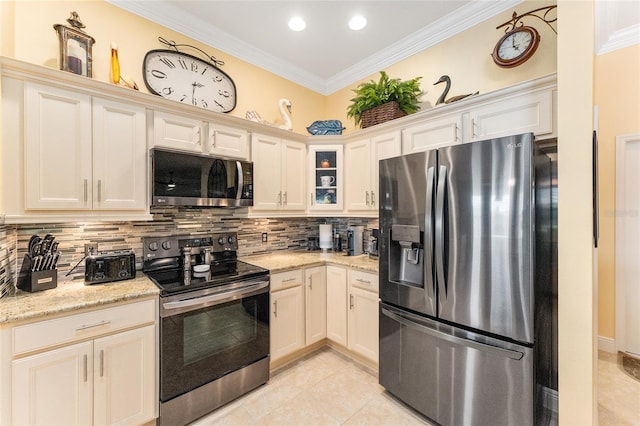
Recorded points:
(90,248)
(264,237)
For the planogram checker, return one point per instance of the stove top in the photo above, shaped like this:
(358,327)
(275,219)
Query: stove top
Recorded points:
(167,258)
(171,281)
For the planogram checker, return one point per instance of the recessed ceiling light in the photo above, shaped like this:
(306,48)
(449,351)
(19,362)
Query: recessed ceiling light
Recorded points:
(297,23)
(357,22)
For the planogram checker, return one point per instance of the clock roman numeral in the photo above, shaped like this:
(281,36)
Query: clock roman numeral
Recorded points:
(204,70)
(194,67)
(183,64)
(167,62)
(158,74)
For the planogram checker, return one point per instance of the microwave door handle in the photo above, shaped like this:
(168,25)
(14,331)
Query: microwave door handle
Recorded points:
(240,180)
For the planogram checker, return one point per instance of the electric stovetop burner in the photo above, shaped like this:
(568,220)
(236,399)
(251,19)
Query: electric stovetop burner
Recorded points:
(165,259)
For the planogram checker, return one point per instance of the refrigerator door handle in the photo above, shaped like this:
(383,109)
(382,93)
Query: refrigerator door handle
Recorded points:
(439,237)
(428,237)
(411,322)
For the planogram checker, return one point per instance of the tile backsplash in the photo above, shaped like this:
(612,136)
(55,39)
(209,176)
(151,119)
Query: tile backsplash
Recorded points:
(283,234)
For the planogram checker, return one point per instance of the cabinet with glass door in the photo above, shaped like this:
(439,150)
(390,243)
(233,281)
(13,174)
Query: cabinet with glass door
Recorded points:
(326,181)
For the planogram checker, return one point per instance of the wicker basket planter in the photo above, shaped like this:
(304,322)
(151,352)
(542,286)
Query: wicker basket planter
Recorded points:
(380,114)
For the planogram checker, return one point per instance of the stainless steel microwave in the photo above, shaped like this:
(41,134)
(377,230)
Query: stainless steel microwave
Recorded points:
(185,179)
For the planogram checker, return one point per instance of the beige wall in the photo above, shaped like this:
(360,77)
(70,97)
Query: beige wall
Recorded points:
(466,58)
(34,40)
(617,89)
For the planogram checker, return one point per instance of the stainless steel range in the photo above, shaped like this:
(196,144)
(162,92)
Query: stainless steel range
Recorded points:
(214,323)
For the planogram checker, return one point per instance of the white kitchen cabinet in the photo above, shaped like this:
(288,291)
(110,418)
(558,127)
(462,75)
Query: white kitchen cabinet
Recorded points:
(337,304)
(278,173)
(528,112)
(188,133)
(287,321)
(432,133)
(107,377)
(363,314)
(325,177)
(315,304)
(225,141)
(177,132)
(362,174)
(83,153)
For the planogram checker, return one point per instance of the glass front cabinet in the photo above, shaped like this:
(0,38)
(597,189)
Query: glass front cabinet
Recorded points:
(326,177)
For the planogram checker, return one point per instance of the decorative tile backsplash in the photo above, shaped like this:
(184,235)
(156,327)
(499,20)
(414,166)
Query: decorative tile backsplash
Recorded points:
(282,233)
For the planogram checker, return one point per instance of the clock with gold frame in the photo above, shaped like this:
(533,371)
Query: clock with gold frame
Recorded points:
(75,47)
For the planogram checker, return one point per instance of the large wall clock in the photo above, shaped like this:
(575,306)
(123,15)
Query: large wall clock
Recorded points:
(185,78)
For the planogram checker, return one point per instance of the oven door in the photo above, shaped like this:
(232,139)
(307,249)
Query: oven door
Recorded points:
(207,334)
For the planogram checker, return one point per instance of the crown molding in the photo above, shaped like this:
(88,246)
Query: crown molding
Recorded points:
(177,20)
(609,35)
(620,39)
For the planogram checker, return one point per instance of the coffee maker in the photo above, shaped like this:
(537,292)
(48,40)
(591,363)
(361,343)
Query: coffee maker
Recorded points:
(355,235)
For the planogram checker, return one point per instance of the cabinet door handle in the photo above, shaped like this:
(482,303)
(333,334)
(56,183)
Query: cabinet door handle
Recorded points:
(213,138)
(280,198)
(288,280)
(455,132)
(351,301)
(99,190)
(275,309)
(364,281)
(85,360)
(102,363)
(373,199)
(285,198)
(310,284)
(367,197)
(84,327)
(196,136)
(473,128)
(311,198)
(86,190)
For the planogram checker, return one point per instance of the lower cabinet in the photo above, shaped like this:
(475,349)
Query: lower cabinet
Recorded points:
(337,304)
(108,380)
(315,304)
(287,323)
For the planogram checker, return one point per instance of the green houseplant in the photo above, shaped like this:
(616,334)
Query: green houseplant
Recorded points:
(369,106)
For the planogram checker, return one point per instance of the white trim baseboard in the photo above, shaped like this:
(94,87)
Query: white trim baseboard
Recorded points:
(607,344)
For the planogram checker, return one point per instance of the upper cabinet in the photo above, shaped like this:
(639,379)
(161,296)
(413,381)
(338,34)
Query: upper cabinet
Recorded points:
(361,172)
(190,134)
(432,134)
(65,170)
(278,174)
(325,177)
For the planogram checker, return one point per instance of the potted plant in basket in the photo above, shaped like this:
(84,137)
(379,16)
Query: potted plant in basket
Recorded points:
(384,100)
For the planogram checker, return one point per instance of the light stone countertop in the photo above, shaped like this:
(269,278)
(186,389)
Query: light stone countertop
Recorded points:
(288,260)
(73,295)
(70,296)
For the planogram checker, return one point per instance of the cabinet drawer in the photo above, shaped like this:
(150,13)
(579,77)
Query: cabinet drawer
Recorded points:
(363,280)
(43,334)
(286,279)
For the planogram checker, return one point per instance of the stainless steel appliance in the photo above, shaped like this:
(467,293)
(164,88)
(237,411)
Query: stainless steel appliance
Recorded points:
(463,254)
(214,323)
(355,235)
(109,266)
(185,179)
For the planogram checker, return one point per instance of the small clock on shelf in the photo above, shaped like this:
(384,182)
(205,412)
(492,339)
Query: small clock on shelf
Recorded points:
(187,79)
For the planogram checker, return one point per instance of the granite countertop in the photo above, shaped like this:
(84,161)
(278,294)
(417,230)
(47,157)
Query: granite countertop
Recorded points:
(70,296)
(288,260)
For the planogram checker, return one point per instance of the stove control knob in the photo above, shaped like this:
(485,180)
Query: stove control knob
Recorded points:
(166,245)
(153,246)
(231,239)
(221,241)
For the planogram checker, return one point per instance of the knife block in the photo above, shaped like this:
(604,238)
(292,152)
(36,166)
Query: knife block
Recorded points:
(33,281)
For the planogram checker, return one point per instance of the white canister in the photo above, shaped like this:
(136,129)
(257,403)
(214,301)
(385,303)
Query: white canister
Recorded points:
(326,237)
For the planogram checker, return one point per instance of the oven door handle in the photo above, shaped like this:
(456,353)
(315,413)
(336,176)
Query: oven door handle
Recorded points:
(212,299)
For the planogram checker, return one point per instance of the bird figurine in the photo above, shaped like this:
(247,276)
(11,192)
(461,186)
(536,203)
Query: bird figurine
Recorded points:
(441,99)
(282,104)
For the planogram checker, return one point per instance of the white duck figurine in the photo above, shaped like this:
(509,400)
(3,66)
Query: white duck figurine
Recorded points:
(282,103)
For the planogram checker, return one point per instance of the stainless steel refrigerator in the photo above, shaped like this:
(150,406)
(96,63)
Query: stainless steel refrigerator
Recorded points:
(463,251)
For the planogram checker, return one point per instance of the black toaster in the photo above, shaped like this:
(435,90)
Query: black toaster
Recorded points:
(106,267)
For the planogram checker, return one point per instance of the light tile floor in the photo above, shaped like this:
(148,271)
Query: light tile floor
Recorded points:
(618,393)
(324,388)
(327,388)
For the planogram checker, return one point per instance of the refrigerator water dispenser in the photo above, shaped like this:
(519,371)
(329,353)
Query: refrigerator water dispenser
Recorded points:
(406,255)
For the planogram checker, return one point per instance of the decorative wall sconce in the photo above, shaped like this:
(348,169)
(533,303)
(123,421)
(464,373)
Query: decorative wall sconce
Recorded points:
(75,47)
